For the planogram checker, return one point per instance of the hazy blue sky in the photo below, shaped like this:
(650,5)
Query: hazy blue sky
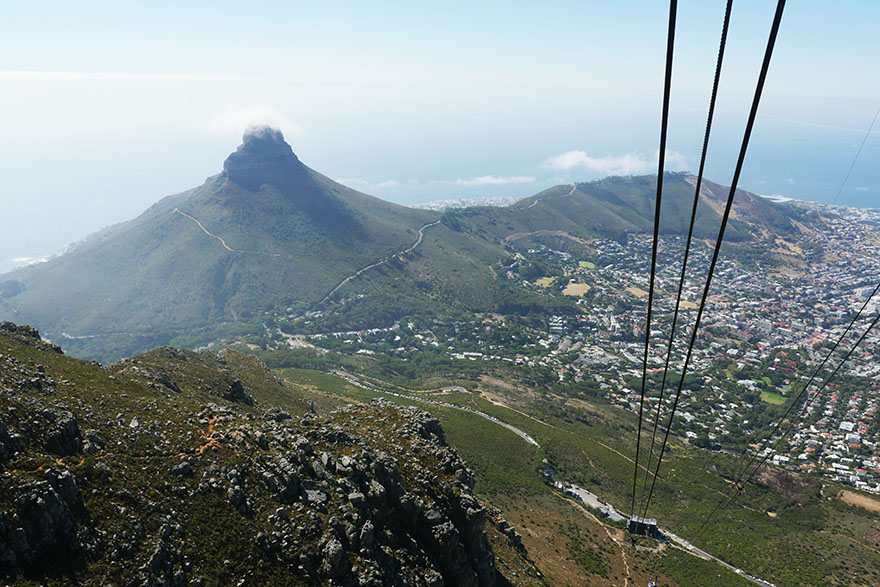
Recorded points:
(105,107)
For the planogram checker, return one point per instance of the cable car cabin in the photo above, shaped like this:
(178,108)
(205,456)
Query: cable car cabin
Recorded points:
(643,527)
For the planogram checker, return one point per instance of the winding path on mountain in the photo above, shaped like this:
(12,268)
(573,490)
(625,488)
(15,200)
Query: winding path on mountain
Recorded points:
(219,238)
(355,275)
(206,231)
(383,261)
(535,203)
(363,385)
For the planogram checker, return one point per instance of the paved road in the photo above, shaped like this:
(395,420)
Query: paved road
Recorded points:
(535,203)
(587,497)
(687,546)
(363,385)
(363,270)
(590,499)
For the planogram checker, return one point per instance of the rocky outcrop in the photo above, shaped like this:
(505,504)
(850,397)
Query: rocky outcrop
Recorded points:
(262,158)
(28,336)
(115,477)
(173,370)
(63,436)
(380,528)
(10,443)
(47,526)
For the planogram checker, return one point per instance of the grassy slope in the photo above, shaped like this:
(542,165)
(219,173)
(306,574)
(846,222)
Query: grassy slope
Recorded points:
(160,274)
(126,487)
(449,271)
(160,279)
(615,205)
(811,539)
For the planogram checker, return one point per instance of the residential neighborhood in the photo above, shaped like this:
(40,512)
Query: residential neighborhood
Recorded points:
(765,329)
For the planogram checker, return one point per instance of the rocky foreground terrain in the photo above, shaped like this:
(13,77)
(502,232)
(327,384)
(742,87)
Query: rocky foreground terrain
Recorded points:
(177,468)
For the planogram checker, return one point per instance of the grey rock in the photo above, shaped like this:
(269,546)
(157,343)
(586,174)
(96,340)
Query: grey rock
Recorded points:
(239,500)
(183,469)
(63,437)
(92,443)
(334,562)
(315,496)
(357,499)
(304,446)
(45,525)
(367,534)
(9,444)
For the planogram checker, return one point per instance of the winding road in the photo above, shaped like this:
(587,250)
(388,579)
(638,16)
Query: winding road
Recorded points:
(206,231)
(535,203)
(219,238)
(356,274)
(363,270)
(363,385)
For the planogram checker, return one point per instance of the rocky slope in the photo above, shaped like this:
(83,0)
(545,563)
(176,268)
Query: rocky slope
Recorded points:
(179,468)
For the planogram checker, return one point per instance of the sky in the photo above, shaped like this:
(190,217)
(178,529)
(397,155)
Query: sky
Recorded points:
(106,107)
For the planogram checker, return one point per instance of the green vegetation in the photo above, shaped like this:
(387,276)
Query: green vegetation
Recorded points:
(589,558)
(592,448)
(503,462)
(163,279)
(773,398)
(691,571)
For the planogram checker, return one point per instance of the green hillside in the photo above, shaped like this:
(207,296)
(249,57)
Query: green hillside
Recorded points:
(176,468)
(269,242)
(624,205)
(289,235)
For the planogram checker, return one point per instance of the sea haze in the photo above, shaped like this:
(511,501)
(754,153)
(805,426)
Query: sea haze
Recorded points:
(798,159)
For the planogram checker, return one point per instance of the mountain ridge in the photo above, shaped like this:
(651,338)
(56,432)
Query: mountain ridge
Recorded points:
(268,236)
(315,226)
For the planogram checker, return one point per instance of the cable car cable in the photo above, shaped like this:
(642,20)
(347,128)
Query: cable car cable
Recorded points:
(818,392)
(856,158)
(721,46)
(670,47)
(762,77)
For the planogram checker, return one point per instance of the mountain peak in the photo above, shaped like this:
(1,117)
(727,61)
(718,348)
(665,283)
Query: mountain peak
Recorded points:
(264,137)
(264,157)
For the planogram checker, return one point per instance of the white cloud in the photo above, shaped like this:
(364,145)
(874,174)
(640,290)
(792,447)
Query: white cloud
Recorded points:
(236,118)
(30,260)
(493,180)
(675,161)
(352,181)
(361,182)
(628,164)
(92,76)
(863,189)
(789,181)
